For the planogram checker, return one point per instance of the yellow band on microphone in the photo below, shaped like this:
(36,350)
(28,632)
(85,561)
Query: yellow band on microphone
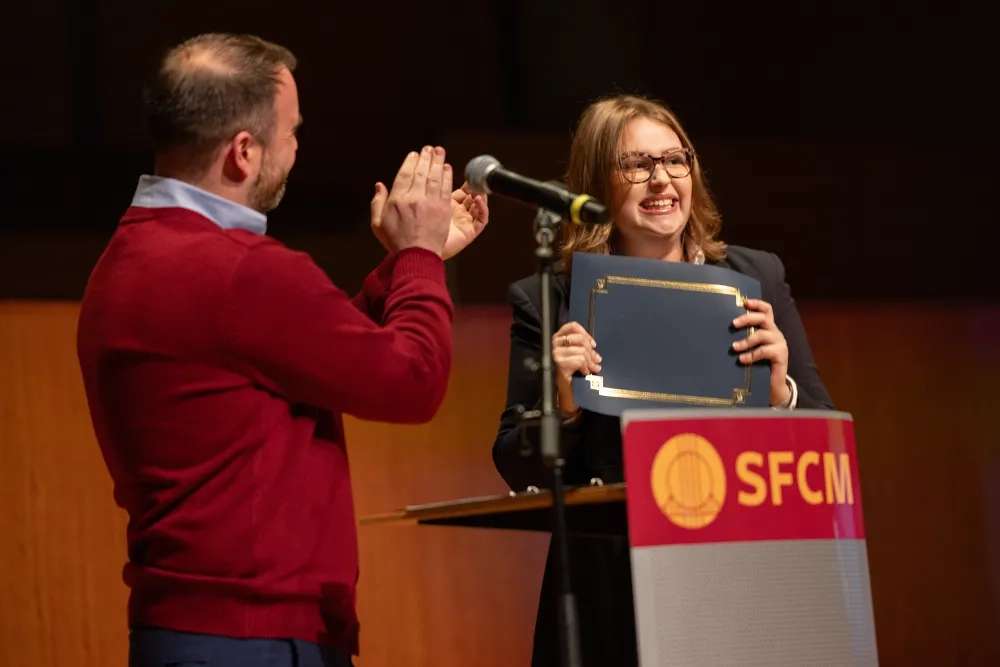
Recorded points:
(574,208)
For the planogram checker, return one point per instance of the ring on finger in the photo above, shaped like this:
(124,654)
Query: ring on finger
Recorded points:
(565,340)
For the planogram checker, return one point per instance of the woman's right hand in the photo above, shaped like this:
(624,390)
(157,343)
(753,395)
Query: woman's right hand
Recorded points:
(572,351)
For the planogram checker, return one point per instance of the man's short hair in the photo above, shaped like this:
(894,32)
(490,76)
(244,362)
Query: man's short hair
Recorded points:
(209,88)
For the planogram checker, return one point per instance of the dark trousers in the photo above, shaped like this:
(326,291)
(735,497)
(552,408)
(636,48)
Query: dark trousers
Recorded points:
(601,576)
(156,647)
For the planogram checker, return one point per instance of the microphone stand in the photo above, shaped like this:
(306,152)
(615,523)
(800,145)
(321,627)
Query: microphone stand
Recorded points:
(546,224)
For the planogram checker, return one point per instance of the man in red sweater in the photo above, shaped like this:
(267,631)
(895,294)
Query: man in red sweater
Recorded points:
(217,365)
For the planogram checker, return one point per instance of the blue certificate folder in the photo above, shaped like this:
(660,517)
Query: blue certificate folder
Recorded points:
(665,332)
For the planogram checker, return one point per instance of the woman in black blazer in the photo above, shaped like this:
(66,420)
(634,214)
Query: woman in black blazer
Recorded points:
(632,154)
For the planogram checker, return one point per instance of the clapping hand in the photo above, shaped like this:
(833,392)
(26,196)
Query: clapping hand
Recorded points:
(469,216)
(415,213)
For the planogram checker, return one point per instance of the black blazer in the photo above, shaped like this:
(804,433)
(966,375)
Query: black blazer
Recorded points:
(593,442)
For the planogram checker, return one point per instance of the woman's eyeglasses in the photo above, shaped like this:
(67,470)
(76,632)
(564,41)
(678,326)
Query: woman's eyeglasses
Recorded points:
(639,167)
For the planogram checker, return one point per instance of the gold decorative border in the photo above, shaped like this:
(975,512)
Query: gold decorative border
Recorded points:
(597,382)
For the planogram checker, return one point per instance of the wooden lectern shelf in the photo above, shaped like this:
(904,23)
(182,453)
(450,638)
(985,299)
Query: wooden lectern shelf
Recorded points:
(590,510)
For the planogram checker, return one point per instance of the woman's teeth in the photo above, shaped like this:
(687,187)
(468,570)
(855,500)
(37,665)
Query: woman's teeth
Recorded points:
(658,204)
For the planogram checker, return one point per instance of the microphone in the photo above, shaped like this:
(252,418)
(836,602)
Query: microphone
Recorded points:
(486,175)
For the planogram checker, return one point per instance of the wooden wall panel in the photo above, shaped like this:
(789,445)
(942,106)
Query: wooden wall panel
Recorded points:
(438,595)
(62,601)
(922,384)
(920,379)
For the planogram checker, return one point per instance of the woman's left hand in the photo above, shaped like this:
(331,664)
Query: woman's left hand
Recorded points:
(767,342)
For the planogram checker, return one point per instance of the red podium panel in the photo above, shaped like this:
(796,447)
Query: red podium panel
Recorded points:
(747,539)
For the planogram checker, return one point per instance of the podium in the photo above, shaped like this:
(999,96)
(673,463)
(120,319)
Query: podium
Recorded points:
(596,510)
(746,535)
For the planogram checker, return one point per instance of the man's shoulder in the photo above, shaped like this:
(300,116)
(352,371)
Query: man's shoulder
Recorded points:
(177,236)
(162,249)
(177,223)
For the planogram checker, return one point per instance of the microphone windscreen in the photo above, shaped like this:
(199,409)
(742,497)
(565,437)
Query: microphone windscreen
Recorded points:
(476,172)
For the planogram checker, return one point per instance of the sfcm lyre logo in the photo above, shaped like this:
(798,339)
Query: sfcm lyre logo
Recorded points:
(688,481)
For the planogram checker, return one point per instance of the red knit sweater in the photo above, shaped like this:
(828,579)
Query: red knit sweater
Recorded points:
(217,364)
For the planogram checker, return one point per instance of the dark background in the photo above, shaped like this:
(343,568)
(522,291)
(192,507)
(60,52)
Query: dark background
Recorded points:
(855,139)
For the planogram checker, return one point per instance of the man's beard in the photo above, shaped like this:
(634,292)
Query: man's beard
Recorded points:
(269,188)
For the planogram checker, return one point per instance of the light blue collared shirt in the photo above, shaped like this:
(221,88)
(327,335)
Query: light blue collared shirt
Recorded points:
(162,192)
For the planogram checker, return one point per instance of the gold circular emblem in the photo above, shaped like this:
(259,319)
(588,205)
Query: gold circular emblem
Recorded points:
(688,481)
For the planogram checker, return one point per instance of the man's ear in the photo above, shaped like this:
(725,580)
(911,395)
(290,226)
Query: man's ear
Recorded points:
(244,156)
